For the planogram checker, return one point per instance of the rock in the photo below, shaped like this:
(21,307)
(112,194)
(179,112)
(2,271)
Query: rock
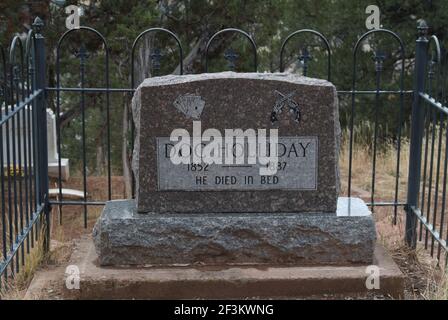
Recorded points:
(124,237)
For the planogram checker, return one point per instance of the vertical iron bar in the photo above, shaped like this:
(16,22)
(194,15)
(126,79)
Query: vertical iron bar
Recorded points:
(400,119)
(3,202)
(19,232)
(83,57)
(445,173)
(8,168)
(431,172)
(397,177)
(58,129)
(444,74)
(436,191)
(35,150)
(426,129)
(433,126)
(109,170)
(30,81)
(351,126)
(378,68)
(15,221)
(416,135)
(2,185)
(427,117)
(25,165)
(42,129)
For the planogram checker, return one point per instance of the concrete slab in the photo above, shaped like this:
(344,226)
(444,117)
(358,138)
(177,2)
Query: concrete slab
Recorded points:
(227,283)
(66,193)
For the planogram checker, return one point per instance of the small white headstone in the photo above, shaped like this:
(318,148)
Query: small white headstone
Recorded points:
(23,137)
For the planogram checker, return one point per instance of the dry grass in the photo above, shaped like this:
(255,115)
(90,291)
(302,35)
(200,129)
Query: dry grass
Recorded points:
(72,224)
(386,170)
(62,234)
(14,288)
(441,293)
(425,278)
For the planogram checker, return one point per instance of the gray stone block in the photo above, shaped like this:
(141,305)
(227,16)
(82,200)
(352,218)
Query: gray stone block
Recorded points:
(124,237)
(230,100)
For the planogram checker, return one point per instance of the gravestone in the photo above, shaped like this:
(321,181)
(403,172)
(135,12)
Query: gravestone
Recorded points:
(22,132)
(237,101)
(232,213)
(53,156)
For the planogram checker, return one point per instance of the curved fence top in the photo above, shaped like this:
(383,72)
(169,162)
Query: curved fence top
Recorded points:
(379,31)
(80,29)
(154,30)
(313,32)
(233,30)
(438,48)
(437,60)
(16,43)
(3,75)
(29,43)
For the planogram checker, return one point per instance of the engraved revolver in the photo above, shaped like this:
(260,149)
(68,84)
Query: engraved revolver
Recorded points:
(285,100)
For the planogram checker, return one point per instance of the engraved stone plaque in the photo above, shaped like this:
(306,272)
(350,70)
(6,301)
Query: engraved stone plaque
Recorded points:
(296,170)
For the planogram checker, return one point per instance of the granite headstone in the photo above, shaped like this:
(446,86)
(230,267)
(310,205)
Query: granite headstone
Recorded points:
(307,179)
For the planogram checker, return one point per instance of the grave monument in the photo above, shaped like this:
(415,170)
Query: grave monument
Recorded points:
(231,214)
(22,132)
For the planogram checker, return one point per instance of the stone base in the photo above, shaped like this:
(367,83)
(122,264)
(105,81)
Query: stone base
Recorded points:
(323,282)
(124,237)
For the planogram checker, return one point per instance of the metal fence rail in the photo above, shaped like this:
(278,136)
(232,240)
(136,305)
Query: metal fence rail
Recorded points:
(82,55)
(25,198)
(427,185)
(24,175)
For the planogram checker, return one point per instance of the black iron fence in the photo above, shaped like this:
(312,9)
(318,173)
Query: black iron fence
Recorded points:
(25,204)
(428,165)
(24,176)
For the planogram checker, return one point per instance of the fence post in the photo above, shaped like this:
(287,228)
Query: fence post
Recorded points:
(41,114)
(417,131)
